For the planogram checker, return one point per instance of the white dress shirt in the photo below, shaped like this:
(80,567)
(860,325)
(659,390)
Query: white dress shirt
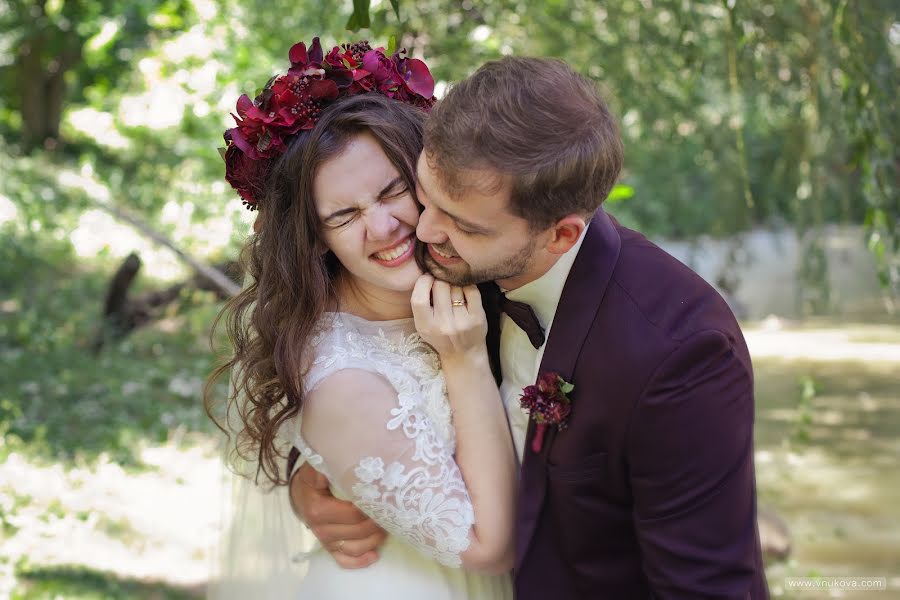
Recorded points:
(520,360)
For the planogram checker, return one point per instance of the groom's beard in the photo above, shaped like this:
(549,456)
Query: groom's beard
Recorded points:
(463,274)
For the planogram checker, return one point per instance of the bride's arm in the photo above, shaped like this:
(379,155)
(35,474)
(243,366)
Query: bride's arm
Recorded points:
(484,449)
(383,452)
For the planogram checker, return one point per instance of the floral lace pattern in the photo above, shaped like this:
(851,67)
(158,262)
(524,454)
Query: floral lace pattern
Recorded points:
(418,495)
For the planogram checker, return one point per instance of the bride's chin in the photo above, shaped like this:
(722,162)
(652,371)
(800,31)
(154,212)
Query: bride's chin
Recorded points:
(410,284)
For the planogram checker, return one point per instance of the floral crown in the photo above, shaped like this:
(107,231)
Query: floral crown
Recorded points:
(292,103)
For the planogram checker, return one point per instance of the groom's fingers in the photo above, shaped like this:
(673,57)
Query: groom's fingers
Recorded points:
(325,510)
(354,562)
(309,476)
(358,548)
(306,487)
(333,534)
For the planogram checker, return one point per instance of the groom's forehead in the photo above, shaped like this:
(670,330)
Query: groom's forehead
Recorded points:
(483,185)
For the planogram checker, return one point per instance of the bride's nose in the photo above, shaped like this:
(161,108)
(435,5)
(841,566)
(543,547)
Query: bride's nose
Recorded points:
(381,223)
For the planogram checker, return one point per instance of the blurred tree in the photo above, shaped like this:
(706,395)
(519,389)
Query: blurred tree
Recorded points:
(734,114)
(50,38)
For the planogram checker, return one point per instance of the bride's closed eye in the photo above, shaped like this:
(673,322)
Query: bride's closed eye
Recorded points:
(341,218)
(396,189)
(347,221)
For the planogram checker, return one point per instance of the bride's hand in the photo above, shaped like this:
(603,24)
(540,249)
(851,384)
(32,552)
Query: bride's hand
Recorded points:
(450,318)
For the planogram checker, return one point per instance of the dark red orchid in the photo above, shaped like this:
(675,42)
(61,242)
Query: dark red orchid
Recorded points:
(415,76)
(547,403)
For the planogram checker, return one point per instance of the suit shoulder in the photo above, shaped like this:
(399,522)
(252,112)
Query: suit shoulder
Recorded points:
(667,293)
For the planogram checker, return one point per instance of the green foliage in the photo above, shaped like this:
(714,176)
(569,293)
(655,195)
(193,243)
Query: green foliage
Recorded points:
(360,17)
(734,114)
(804,409)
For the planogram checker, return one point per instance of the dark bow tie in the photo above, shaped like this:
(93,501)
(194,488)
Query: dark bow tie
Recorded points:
(521,314)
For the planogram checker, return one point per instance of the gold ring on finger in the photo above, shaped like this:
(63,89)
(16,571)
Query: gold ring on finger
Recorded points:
(458,302)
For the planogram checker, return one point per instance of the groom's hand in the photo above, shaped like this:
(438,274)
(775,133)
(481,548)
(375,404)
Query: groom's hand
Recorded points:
(346,532)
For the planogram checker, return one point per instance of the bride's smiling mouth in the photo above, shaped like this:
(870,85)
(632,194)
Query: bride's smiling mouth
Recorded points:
(398,254)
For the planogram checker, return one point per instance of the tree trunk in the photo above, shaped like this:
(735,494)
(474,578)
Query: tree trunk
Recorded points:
(43,60)
(31,78)
(124,312)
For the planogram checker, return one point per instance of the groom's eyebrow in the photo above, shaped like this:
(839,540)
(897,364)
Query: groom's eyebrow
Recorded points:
(458,220)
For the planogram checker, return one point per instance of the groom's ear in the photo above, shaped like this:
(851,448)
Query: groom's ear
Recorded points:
(564,233)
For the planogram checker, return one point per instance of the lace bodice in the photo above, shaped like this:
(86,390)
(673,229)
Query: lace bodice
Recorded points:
(377,423)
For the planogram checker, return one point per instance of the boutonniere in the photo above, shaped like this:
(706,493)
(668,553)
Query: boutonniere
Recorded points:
(547,403)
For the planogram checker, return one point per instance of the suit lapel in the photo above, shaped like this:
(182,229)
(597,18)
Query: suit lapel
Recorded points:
(576,311)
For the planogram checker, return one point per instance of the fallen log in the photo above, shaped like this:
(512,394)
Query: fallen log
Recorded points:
(123,313)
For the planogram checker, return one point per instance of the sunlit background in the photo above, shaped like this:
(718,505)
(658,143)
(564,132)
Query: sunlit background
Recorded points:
(761,150)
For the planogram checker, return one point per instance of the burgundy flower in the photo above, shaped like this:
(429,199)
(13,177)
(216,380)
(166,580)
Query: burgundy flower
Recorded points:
(303,62)
(249,130)
(383,70)
(245,174)
(292,102)
(343,58)
(415,76)
(547,403)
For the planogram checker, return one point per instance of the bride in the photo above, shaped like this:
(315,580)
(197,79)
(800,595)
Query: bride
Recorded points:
(344,349)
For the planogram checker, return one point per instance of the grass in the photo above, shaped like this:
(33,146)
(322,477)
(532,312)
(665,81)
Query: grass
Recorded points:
(828,461)
(61,403)
(79,583)
(854,408)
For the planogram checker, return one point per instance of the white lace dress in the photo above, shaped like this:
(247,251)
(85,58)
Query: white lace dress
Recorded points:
(394,460)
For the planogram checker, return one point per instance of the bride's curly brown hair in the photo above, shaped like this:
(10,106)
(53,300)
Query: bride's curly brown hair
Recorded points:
(291,281)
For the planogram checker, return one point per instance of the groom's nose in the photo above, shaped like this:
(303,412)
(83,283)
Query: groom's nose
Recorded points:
(427,230)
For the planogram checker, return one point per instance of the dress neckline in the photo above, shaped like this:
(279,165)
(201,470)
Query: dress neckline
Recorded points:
(357,318)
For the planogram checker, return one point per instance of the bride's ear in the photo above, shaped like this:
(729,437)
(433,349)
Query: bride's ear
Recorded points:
(565,233)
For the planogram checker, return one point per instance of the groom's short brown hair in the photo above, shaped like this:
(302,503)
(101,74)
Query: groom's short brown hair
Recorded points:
(541,126)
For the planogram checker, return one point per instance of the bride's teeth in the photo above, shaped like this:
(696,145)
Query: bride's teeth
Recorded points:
(395,253)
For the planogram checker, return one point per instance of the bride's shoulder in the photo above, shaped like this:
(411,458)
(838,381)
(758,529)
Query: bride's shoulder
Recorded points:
(347,387)
(334,332)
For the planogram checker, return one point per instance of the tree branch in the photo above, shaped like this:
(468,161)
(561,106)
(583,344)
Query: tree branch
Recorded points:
(218,279)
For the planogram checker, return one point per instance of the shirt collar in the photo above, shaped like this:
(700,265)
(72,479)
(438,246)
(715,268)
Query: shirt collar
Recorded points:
(543,293)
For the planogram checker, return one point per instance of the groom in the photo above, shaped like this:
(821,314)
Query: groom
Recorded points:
(649,492)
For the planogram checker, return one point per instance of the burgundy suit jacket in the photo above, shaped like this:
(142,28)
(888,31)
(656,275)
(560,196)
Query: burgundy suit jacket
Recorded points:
(650,492)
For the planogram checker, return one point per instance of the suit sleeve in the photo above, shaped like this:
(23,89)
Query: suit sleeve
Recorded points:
(690,452)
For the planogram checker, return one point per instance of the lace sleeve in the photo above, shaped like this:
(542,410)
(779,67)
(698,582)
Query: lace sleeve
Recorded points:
(382,451)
